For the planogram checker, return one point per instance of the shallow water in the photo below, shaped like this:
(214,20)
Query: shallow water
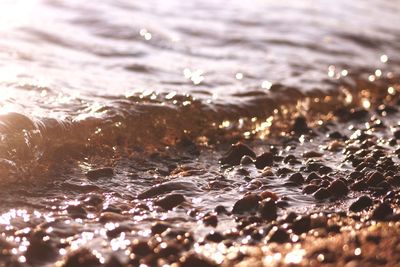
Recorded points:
(121,83)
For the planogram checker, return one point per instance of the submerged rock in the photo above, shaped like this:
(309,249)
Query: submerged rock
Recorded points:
(170,201)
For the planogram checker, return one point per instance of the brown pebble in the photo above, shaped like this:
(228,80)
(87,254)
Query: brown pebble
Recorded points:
(82,257)
(296,178)
(375,178)
(141,248)
(246,160)
(247,203)
(268,209)
(220,209)
(309,189)
(312,176)
(312,154)
(76,211)
(159,227)
(194,260)
(278,235)
(338,188)
(210,220)
(264,160)
(300,126)
(113,262)
(215,237)
(382,211)
(322,193)
(361,203)
(268,194)
(170,201)
(101,172)
(235,154)
(359,186)
(301,225)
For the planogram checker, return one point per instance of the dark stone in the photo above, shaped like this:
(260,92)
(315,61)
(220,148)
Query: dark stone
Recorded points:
(215,237)
(140,248)
(310,189)
(159,227)
(81,258)
(264,160)
(375,178)
(361,203)
(170,201)
(247,203)
(235,154)
(296,178)
(338,188)
(211,220)
(300,126)
(382,211)
(312,176)
(268,209)
(301,225)
(101,172)
(246,160)
(220,209)
(278,235)
(359,186)
(113,262)
(396,134)
(76,211)
(322,193)
(194,260)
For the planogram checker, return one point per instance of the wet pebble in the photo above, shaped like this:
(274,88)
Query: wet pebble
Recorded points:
(82,257)
(338,188)
(246,204)
(375,178)
(296,178)
(361,203)
(215,237)
(170,201)
(322,193)
(268,209)
(301,224)
(195,261)
(159,227)
(382,211)
(309,189)
(210,220)
(264,160)
(300,126)
(278,235)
